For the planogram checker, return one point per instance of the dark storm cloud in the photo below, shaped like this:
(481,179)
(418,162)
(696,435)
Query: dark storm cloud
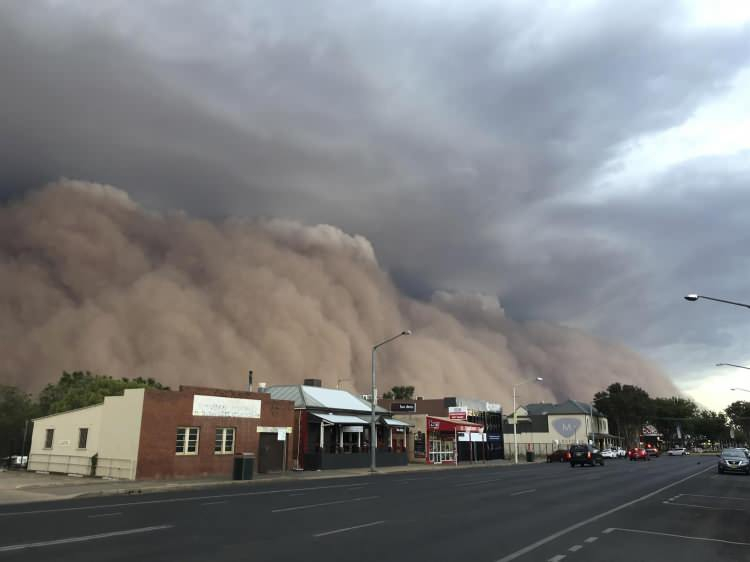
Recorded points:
(455,141)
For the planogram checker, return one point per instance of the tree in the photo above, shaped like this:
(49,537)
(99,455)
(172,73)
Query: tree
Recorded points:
(671,413)
(739,414)
(16,408)
(627,407)
(399,393)
(79,389)
(708,425)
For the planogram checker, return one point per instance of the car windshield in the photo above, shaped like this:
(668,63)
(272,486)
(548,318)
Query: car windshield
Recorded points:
(733,453)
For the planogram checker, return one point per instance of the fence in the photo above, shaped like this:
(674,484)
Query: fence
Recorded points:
(78,464)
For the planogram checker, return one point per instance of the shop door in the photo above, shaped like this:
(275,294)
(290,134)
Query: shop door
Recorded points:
(270,453)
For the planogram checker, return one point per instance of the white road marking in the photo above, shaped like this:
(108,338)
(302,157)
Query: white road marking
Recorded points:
(523,492)
(105,515)
(575,548)
(83,539)
(717,497)
(174,500)
(558,534)
(608,530)
(345,529)
(476,482)
(214,503)
(590,539)
(556,558)
(705,506)
(312,505)
(356,487)
(294,495)
(639,531)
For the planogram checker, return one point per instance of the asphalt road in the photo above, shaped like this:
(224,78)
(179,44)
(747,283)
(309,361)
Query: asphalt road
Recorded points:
(668,509)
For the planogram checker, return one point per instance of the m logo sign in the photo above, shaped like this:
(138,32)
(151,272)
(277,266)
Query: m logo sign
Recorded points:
(566,427)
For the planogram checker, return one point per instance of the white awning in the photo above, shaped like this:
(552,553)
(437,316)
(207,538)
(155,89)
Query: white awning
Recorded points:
(340,419)
(395,423)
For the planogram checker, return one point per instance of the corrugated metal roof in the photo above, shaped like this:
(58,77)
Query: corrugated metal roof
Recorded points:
(573,407)
(334,418)
(396,423)
(315,397)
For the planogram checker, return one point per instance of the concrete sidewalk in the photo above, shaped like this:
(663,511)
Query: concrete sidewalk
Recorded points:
(19,486)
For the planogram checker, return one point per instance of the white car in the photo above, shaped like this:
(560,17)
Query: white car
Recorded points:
(677,452)
(622,453)
(609,454)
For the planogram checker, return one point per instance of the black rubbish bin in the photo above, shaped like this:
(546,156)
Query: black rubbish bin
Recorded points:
(244,466)
(529,456)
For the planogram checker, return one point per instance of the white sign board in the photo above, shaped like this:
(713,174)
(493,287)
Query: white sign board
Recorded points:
(281,435)
(222,407)
(352,429)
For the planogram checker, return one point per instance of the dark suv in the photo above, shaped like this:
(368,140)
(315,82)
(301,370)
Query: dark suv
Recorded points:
(585,454)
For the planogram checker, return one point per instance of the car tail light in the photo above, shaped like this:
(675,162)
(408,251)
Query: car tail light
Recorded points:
(588,455)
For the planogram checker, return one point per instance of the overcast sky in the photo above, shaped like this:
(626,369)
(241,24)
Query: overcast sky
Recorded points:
(588,165)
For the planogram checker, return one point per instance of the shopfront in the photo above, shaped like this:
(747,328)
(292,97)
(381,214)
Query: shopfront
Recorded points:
(443,436)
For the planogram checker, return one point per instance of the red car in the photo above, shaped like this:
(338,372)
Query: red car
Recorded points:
(638,454)
(561,455)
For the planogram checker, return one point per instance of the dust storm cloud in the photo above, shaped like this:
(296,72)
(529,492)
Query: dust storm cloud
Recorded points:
(92,280)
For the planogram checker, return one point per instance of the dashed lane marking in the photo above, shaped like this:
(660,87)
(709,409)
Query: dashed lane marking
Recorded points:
(575,548)
(322,504)
(531,491)
(345,529)
(83,539)
(590,539)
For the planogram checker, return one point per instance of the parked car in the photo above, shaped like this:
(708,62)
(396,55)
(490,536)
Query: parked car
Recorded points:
(561,455)
(733,460)
(585,454)
(652,451)
(609,453)
(678,452)
(638,454)
(621,453)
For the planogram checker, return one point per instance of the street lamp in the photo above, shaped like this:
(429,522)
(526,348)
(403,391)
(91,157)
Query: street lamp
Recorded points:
(693,297)
(515,415)
(373,434)
(732,365)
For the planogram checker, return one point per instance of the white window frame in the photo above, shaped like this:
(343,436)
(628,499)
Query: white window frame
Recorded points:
(222,437)
(186,440)
(48,434)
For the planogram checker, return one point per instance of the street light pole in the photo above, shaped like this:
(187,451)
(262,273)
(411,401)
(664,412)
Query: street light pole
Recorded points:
(515,415)
(732,365)
(693,297)
(373,434)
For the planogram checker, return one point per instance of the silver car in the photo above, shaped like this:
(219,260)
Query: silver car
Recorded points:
(733,460)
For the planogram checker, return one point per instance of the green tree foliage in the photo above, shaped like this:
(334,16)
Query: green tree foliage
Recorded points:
(627,407)
(669,413)
(79,389)
(399,393)
(709,426)
(739,414)
(15,409)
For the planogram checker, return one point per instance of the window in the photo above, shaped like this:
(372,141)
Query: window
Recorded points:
(83,436)
(48,438)
(224,442)
(187,441)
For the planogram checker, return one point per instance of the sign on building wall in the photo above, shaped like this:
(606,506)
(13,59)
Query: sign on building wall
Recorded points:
(567,427)
(458,412)
(403,407)
(223,407)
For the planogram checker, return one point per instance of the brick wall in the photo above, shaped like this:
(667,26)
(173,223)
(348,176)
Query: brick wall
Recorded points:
(164,411)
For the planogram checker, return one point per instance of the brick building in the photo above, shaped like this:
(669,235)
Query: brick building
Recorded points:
(148,433)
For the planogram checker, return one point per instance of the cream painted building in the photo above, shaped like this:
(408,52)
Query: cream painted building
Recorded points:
(99,440)
(543,428)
